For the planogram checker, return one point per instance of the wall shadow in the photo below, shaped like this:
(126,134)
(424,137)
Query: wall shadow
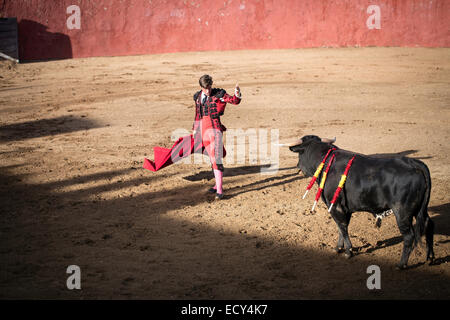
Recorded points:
(37,43)
(45,127)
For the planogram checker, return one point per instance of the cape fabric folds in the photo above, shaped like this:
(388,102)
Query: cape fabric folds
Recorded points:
(182,148)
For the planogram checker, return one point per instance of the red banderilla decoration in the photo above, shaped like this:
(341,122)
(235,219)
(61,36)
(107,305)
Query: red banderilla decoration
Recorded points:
(316,174)
(341,183)
(322,182)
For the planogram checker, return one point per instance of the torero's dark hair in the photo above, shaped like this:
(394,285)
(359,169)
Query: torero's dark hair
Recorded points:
(205,81)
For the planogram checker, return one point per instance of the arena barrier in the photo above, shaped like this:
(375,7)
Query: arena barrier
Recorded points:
(83,28)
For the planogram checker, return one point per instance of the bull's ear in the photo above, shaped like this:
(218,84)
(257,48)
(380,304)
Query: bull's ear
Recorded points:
(299,149)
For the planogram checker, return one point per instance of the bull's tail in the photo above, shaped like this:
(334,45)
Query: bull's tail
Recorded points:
(424,225)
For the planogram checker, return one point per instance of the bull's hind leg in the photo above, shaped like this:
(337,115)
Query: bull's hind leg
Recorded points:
(407,231)
(429,232)
(408,242)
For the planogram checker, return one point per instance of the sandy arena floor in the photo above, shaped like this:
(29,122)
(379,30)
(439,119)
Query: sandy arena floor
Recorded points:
(74,133)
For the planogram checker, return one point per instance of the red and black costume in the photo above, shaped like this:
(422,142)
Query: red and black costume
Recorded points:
(207,123)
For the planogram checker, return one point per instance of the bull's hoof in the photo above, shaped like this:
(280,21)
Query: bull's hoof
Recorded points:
(430,257)
(339,250)
(401,266)
(348,254)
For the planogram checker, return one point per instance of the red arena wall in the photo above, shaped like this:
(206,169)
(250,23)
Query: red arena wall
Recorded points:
(84,28)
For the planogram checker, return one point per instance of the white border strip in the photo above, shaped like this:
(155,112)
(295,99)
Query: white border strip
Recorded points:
(8,57)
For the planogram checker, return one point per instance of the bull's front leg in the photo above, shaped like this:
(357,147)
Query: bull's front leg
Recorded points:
(340,244)
(342,220)
(347,243)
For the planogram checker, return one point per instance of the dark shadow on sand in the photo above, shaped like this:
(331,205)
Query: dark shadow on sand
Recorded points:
(45,127)
(236,171)
(441,217)
(134,247)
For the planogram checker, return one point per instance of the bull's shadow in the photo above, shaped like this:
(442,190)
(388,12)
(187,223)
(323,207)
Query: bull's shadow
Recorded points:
(397,155)
(382,244)
(442,227)
(442,219)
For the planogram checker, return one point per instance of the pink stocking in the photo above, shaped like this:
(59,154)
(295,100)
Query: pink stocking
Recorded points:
(218,175)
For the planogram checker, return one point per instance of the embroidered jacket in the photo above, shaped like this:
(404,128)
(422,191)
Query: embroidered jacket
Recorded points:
(213,108)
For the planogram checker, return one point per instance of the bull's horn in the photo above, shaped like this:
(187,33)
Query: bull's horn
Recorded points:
(296,143)
(326,140)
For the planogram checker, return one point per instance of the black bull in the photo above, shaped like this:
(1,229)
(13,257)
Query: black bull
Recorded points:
(374,185)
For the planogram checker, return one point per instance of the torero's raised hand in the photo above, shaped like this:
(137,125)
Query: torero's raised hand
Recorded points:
(237,91)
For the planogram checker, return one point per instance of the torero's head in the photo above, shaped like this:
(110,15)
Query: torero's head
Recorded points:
(205,84)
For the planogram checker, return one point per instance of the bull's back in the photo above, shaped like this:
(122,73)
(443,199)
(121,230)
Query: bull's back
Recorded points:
(379,184)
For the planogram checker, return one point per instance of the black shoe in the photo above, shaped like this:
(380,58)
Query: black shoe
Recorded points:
(219,196)
(212,190)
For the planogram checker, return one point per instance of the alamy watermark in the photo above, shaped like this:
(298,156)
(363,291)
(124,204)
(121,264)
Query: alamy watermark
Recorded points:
(374,20)
(73,21)
(250,146)
(74,280)
(374,280)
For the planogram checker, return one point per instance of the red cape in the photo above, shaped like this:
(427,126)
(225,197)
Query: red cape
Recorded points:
(182,148)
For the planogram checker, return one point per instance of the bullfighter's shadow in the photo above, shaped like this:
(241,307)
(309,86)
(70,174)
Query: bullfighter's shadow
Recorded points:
(233,172)
(254,186)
